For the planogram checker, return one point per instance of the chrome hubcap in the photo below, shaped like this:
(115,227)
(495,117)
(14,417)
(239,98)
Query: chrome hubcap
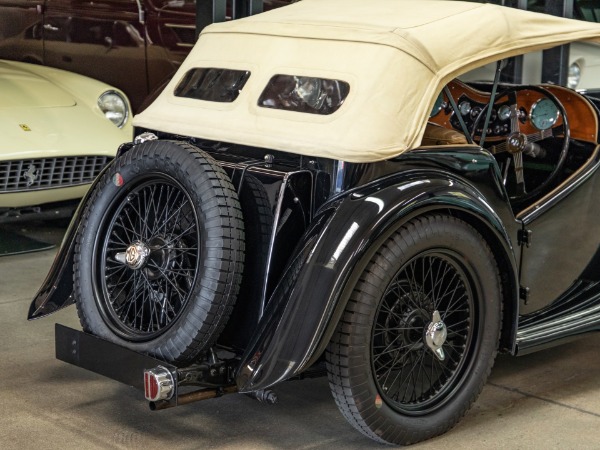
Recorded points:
(135,256)
(435,336)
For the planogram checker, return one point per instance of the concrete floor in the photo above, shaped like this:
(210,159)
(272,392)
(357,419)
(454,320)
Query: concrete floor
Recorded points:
(546,400)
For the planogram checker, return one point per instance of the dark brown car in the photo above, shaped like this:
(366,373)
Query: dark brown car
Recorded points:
(134,45)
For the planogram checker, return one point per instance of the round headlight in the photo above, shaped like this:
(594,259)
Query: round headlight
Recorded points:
(114,107)
(574,75)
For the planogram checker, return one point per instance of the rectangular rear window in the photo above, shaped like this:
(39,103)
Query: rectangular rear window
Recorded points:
(304,94)
(211,84)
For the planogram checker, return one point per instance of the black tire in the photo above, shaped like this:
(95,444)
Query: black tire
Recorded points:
(384,375)
(258,225)
(171,293)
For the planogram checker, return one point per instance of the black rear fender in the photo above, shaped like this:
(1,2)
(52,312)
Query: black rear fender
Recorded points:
(56,290)
(305,307)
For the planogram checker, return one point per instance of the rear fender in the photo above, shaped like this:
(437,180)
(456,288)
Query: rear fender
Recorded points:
(56,291)
(307,303)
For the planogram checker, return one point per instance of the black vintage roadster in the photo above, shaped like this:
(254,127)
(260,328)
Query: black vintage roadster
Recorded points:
(317,185)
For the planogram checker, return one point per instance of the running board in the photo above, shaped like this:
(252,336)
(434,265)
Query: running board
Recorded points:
(556,330)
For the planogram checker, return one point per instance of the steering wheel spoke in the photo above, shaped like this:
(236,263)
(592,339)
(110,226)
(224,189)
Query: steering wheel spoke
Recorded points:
(558,132)
(519,175)
(520,140)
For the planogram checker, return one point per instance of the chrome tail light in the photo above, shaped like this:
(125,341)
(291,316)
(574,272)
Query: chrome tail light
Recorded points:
(158,384)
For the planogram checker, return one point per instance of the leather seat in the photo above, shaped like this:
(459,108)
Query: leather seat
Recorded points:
(437,135)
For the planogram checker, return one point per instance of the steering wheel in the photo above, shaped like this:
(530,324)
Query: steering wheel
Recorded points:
(517,143)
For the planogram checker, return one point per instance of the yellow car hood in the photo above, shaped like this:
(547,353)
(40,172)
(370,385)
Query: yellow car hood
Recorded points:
(53,132)
(43,118)
(22,89)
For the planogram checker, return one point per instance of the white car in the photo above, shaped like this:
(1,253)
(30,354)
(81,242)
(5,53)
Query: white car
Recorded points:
(58,131)
(584,57)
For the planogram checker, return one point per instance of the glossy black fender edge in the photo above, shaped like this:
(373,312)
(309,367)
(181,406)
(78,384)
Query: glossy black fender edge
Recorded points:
(57,289)
(303,311)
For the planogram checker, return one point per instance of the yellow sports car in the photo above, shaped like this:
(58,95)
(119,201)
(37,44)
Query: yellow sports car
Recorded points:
(58,132)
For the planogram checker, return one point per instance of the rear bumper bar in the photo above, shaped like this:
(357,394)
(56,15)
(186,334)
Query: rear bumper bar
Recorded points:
(127,366)
(108,359)
(104,358)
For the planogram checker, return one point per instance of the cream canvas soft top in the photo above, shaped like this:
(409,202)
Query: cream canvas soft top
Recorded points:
(396,56)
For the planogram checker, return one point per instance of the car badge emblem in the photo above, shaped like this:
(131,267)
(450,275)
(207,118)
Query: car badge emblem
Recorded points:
(31,175)
(24,127)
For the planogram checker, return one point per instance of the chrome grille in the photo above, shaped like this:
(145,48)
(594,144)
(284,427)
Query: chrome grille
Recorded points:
(48,173)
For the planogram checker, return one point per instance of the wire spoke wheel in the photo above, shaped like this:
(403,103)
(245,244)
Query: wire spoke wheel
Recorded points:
(148,264)
(412,376)
(419,334)
(159,254)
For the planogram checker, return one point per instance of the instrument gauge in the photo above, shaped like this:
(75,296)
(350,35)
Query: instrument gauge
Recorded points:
(475,112)
(544,114)
(464,108)
(504,112)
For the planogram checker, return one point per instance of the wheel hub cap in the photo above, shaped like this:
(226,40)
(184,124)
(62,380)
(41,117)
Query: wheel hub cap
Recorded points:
(136,255)
(435,336)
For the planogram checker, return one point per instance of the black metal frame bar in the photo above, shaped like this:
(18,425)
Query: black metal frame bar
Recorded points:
(555,61)
(213,11)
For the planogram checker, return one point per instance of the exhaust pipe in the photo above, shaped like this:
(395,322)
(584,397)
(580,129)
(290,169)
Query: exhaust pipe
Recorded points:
(191,397)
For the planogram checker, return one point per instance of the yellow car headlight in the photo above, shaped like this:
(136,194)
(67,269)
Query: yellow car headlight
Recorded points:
(574,75)
(114,107)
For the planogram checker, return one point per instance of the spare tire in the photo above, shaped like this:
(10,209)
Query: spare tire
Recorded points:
(159,255)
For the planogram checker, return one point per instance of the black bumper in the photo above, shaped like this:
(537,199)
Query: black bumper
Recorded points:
(108,359)
(127,366)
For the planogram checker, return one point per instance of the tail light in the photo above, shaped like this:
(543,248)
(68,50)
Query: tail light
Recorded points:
(158,384)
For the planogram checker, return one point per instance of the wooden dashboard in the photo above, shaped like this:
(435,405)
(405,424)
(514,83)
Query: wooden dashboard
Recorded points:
(581,115)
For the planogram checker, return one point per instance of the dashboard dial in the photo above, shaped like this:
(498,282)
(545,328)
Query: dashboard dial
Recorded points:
(464,108)
(544,114)
(504,112)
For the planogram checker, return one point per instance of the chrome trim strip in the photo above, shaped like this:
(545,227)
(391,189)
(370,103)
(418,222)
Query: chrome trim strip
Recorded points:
(562,326)
(178,25)
(47,188)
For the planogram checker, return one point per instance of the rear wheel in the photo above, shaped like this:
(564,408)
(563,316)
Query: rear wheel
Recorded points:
(159,257)
(419,334)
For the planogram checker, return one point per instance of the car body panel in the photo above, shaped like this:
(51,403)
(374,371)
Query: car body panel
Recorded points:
(556,225)
(587,56)
(46,114)
(303,312)
(22,89)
